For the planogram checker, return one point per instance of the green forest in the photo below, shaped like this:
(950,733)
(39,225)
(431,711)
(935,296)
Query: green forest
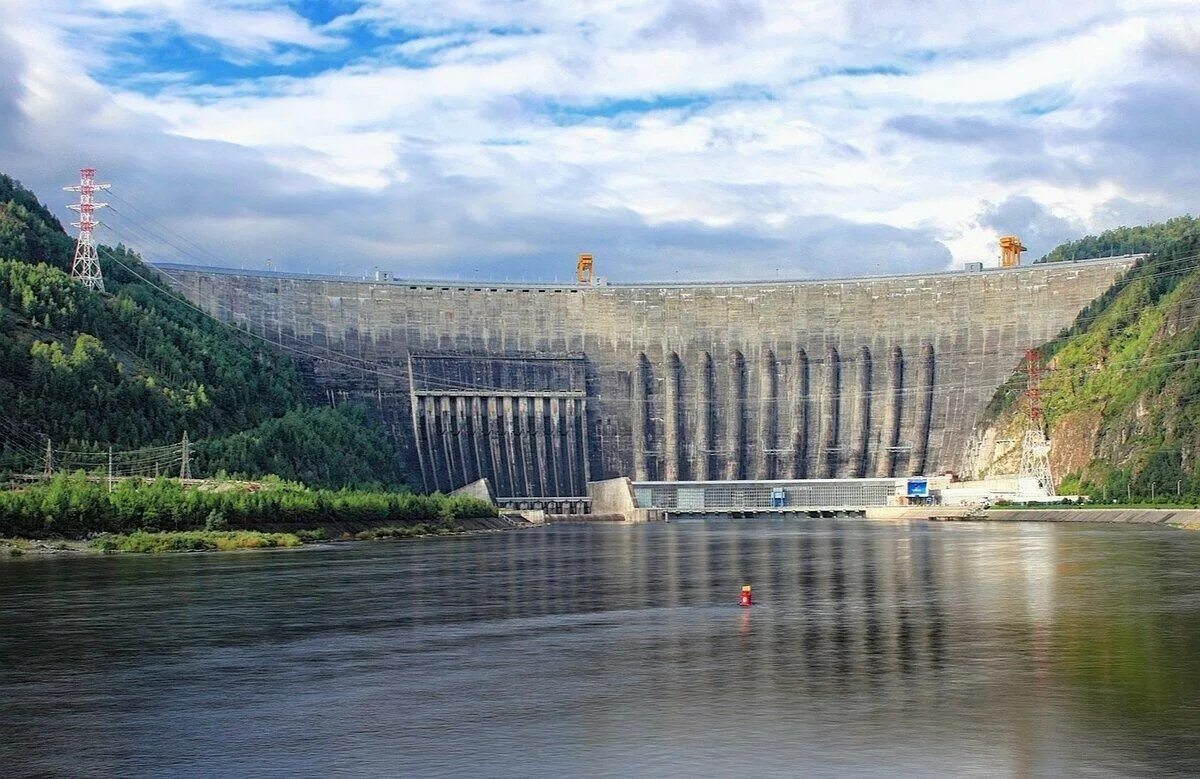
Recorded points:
(137,366)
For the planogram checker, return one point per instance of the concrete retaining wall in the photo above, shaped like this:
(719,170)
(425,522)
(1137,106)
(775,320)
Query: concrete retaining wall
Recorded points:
(1148,516)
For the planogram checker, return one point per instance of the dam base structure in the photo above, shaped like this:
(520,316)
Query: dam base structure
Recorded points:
(542,388)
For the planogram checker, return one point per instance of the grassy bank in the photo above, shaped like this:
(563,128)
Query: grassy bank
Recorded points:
(74,506)
(403,531)
(196,541)
(156,542)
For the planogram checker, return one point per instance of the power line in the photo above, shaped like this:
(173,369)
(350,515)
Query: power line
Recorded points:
(163,227)
(450,385)
(372,367)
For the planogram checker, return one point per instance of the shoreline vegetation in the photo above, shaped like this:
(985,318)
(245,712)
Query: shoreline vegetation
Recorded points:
(161,541)
(75,513)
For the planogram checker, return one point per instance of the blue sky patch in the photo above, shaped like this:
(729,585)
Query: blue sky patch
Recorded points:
(567,113)
(321,12)
(865,70)
(1041,102)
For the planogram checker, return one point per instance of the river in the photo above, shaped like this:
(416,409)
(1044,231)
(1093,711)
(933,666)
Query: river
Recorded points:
(872,649)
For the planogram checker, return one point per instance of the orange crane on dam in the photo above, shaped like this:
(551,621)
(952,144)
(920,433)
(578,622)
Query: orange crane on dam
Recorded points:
(583,269)
(1010,251)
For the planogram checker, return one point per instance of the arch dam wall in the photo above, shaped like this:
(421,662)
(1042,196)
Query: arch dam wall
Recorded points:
(541,387)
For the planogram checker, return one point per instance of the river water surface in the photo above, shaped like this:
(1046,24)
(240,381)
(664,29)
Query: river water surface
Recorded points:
(872,649)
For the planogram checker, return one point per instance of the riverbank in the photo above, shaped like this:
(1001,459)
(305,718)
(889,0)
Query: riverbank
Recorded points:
(1184,518)
(151,542)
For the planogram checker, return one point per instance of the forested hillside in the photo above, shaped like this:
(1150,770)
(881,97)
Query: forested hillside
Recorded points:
(1121,390)
(136,367)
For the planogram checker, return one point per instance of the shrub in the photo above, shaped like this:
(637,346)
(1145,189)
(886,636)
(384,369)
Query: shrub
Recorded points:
(196,541)
(73,504)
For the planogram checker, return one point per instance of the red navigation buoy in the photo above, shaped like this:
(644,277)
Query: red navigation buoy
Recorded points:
(745,599)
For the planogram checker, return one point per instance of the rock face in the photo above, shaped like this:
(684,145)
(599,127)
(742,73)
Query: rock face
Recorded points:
(542,388)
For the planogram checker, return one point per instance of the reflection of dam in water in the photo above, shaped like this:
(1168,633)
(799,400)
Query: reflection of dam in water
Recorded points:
(541,387)
(874,649)
(843,596)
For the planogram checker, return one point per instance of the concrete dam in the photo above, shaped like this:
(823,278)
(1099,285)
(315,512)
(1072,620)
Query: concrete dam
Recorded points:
(542,388)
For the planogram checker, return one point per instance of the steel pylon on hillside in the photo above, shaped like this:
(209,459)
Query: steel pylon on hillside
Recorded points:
(1035,447)
(86,266)
(185,464)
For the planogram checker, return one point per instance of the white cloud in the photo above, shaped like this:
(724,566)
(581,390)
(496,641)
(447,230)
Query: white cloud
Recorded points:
(728,135)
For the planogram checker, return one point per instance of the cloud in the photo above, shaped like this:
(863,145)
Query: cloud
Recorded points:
(1149,137)
(1039,229)
(240,27)
(723,138)
(12,91)
(707,23)
(967,130)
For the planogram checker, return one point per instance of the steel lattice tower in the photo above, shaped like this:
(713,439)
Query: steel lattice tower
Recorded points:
(1035,447)
(86,267)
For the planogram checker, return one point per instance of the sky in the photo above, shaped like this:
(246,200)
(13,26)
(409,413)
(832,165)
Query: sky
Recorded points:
(675,140)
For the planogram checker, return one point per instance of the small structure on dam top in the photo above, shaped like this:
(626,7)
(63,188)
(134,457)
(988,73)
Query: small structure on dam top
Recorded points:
(542,388)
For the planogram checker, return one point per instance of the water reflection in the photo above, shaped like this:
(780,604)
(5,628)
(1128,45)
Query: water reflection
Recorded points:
(872,649)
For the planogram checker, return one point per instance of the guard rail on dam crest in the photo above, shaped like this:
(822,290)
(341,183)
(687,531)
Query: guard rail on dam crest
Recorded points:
(541,388)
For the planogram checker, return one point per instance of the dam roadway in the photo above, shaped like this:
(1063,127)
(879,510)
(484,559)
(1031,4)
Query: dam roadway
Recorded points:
(541,388)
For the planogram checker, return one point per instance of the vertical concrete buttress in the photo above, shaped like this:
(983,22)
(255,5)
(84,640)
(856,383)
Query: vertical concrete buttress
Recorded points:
(449,445)
(542,467)
(479,441)
(891,413)
(465,447)
(575,487)
(510,446)
(800,416)
(431,442)
(705,408)
(418,438)
(767,411)
(641,418)
(828,453)
(735,420)
(556,449)
(862,414)
(495,441)
(528,479)
(672,443)
(925,383)
(585,455)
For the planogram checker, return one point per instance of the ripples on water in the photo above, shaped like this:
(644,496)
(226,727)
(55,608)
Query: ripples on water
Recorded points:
(873,649)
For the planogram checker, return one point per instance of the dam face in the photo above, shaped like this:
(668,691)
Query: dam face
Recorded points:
(542,388)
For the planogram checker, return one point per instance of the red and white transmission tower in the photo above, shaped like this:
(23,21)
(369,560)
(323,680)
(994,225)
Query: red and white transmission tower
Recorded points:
(1035,447)
(86,267)
(1033,388)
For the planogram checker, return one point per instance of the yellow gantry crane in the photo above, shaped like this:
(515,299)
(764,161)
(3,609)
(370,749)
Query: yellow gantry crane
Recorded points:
(1010,251)
(583,270)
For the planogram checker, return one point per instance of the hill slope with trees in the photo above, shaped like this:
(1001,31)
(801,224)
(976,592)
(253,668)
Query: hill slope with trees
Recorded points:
(137,366)
(1121,389)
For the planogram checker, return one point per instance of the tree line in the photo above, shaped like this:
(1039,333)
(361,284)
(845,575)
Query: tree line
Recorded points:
(74,504)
